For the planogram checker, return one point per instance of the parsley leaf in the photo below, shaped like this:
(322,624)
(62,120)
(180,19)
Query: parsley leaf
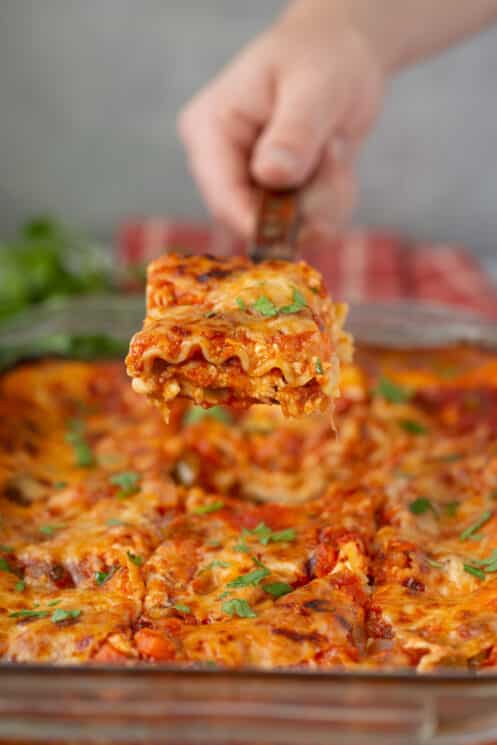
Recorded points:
(298,303)
(51,528)
(318,366)
(20,586)
(474,571)
(251,578)
(113,521)
(238,607)
(182,608)
(265,535)
(102,577)
(420,506)
(392,392)
(197,413)
(241,303)
(82,451)
(241,547)
(5,566)
(412,427)
(135,558)
(265,307)
(474,527)
(60,485)
(216,563)
(435,564)
(277,589)
(128,481)
(206,509)
(283,536)
(451,508)
(26,613)
(60,615)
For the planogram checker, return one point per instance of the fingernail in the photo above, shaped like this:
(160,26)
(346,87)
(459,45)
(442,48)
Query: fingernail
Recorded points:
(276,160)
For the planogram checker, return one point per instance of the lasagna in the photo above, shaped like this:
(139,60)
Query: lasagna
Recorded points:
(231,537)
(229,332)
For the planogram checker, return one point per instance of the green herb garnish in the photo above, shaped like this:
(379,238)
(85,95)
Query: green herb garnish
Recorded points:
(53,603)
(298,303)
(60,485)
(135,558)
(128,481)
(241,303)
(102,577)
(113,521)
(251,579)
(6,549)
(182,608)
(82,451)
(474,571)
(51,528)
(265,307)
(265,535)
(318,365)
(413,427)
(20,586)
(434,564)
(60,615)
(216,563)
(25,613)
(421,505)
(238,607)
(474,527)
(392,392)
(206,509)
(241,547)
(197,413)
(451,508)
(277,589)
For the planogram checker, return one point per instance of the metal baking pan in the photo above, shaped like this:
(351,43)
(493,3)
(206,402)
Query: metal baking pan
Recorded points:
(158,704)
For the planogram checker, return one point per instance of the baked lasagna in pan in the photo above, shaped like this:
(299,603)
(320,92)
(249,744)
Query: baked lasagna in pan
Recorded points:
(226,331)
(236,537)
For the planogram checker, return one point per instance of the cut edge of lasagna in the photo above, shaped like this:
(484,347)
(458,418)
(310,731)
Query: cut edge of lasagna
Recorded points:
(227,331)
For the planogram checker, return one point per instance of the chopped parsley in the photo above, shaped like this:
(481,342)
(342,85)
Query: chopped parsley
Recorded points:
(265,535)
(434,564)
(76,437)
(60,485)
(392,392)
(217,563)
(113,521)
(265,307)
(251,579)
(318,365)
(52,603)
(277,589)
(297,304)
(26,613)
(182,608)
(451,508)
(20,586)
(475,527)
(6,549)
(238,607)
(135,558)
(413,427)
(241,303)
(197,413)
(474,571)
(242,547)
(421,505)
(51,528)
(489,564)
(4,565)
(206,509)
(128,481)
(59,615)
(102,577)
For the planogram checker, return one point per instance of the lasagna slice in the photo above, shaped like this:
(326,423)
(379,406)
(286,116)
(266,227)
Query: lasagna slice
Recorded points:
(227,331)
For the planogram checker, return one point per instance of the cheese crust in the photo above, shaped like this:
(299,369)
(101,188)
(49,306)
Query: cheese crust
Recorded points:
(238,538)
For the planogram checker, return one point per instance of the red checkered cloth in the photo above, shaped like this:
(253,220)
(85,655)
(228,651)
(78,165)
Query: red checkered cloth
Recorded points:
(360,266)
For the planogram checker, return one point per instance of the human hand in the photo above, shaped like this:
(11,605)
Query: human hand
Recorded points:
(292,109)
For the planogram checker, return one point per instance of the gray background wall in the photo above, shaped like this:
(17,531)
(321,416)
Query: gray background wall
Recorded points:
(89,90)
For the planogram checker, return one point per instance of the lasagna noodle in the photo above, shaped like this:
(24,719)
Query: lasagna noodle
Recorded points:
(230,332)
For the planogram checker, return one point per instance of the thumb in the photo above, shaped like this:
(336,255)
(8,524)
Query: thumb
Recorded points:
(291,146)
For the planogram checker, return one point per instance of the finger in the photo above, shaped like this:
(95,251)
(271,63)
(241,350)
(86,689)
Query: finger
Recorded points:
(306,111)
(218,158)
